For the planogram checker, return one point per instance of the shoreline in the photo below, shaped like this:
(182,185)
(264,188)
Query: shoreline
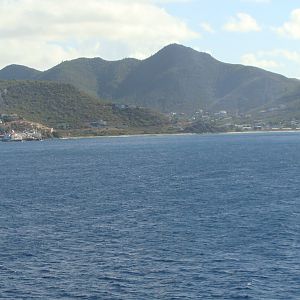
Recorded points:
(127,135)
(170,134)
(177,134)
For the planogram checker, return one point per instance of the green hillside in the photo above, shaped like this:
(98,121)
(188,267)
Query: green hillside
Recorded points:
(62,105)
(176,79)
(285,108)
(181,79)
(95,76)
(18,72)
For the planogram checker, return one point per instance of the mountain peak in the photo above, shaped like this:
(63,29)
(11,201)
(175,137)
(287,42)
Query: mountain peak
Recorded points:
(18,72)
(16,67)
(179,56)
(180,49)
(175,79)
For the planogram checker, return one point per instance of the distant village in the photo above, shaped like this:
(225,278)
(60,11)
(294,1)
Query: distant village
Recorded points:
(236,122)
(14,129)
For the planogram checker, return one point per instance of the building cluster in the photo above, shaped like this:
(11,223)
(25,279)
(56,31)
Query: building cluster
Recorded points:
(14,128)
(234,121)
(13,136)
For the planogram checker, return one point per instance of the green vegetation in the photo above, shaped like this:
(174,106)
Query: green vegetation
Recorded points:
(18,72)
(203,127)
(62,106)
(176,79)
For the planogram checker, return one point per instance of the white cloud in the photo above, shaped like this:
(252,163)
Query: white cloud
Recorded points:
(242,22)
(169,1)
(270,58)
(276,60)
(43,33)
(291,28)
(251,59)
(207,27)
(292,56)
(258,1)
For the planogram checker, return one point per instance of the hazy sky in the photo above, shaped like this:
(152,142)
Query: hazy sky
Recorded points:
(42,33)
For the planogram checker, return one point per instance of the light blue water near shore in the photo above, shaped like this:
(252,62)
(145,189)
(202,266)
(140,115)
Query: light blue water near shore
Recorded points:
(165,217)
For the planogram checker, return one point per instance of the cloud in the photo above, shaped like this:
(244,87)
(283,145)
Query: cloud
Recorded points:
(251,59)
(258,1)
(43,33)
(276,60)
(270,58)
(242,22)
(169,1)
(207,27)
(291,28)
(292,56)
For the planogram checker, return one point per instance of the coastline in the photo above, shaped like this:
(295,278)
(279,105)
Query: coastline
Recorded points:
(171,134)
(128,135)
(177,134)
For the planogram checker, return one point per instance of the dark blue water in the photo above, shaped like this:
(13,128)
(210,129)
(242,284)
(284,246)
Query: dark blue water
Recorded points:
(170,217)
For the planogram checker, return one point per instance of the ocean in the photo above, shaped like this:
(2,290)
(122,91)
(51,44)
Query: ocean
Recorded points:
(151,217)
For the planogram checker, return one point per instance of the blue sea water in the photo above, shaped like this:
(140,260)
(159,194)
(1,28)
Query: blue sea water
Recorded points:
(156,217)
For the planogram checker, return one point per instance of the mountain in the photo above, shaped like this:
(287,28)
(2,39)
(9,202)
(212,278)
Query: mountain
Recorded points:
(18,72)
(178,79)
(95,76)
(181,79)
(56,105)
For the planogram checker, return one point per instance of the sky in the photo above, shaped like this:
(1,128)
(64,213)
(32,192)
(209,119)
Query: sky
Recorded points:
(43,33)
